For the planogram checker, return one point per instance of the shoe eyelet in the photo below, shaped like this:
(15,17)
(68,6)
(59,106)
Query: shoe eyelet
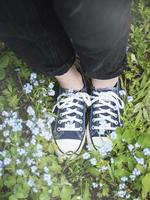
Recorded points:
(116,123)
(94,113)
(81,129)
(93,120)
(81,121)
(59,122)
(60,114)
(92,127)
(58,129)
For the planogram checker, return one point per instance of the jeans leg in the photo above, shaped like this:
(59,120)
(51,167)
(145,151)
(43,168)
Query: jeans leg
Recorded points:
(99,31)
(32,30)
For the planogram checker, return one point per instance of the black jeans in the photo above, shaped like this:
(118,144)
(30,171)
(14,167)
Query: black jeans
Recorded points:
(48,34)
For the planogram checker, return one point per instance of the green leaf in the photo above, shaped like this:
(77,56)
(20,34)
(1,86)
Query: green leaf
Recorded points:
(86,192)
(13,197)
(144,140)
(93,171)
(146,185)
(10,181)
(4,61)
(44,196)
(56,168)
(2,74)
(56,191)
(66,192)
(129,135)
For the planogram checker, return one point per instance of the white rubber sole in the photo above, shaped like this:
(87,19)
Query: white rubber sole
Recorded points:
(69,154)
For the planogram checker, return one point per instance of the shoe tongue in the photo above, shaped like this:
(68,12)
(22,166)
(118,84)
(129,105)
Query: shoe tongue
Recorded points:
(70,91)
(114,89)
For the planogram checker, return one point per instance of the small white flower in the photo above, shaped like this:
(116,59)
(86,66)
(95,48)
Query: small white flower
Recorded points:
(86,156)
(18,161)
(47,178)
(137,145)
(51,85)
(21,151)
(26,144)
(42,81)
(133,177)
(7,140)
(35,190)
(121,193)
(33,76)
(122,186)
(30,161)
(27,88)
(46,170)
(105,149)
(30,124)
(30,111)
(51,93)
(17,69)
(136,172)
(140,160)
(7,161)
(20,172)
(33,169)
(94,185)
(93,161)
(113,135)
(39,153)
(130,99)
(146,151)
(103,168)
(33,141)
(30,183)
(3,153)
(101,185)
(130,147)
(39,146)
(112,160)
(36,83)
(128,196)
(6,133)
(5,114)
(124,179)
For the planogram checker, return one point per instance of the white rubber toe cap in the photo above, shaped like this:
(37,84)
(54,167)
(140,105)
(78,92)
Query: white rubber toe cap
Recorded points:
(100,142)
(68,145)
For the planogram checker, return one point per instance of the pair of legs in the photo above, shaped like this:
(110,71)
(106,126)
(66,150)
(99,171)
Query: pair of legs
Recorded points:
(48,35)
(73,80)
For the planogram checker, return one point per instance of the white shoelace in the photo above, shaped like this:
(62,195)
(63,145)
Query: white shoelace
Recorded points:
(102,99)
(67,103)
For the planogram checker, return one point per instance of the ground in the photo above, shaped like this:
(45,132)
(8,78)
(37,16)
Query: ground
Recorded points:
(29,168)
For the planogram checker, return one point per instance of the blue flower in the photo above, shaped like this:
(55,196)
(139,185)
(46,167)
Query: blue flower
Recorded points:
(93,161)
(27,88)
(86,156)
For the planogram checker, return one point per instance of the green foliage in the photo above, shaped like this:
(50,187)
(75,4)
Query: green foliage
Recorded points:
(50,178)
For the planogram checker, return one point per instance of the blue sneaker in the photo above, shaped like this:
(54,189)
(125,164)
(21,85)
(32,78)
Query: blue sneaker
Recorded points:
(105,115)
(68,129)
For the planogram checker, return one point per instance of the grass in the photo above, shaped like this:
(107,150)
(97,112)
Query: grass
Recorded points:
(29,168)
